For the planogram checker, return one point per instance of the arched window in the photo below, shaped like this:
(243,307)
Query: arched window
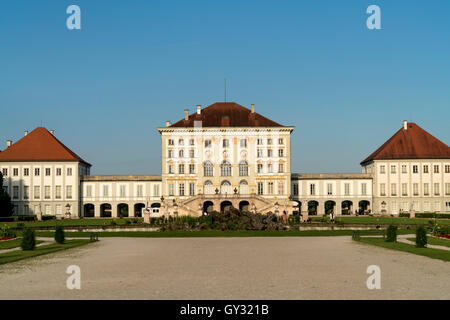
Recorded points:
(208,169)
(225,187)
(243,187)
(208,188)
(243,168)
(225,169)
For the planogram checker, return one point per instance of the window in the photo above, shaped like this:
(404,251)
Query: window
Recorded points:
(58,171)
(15,192)
(208,169)
(47,192)
(260,188)
(15,172)
(181,153)
(447,168)
(181,142)
(47,171)
(436,189)
(122,191)
(69,171)
(181,186)
(280,168)
(181,168)
(170,142)
(259,142)
(270,188)
(191,189)
(295,189)
(393,169)
(280,141)
(156,190)
(5,172)
(426,189)
(447,206)
(243,168)
(415,168)
(58,191)
(269,153)
(191,168)
(281,153)
(225,143)
(225,169)
(436,168)
(37,192)
(347,189)
(329,189)
(383,169)
(270,168)
(269,142)
(191,153)
(140,191)
(207,143)
(26,172)
(312,189)
(404,168)
(259,153)
(415,189)
(259,168)
(404,189)
(363,189)
(88,191)
(425,169)
(382,189)
(191,142)
(26,192)
(171,189)
(170,168)
(447,189)
(393,189)
(37,171)
(243,143)
(170,154)
(105,191)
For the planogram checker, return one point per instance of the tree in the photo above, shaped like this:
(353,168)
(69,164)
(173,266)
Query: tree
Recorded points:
(28,240)
(6,207)
(421,237)
(59,235)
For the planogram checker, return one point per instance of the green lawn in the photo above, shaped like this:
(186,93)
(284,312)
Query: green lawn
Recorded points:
(71,222)
(20,255)
(435,241)
(218,233)
(388,220)
(13,243)
(427,252)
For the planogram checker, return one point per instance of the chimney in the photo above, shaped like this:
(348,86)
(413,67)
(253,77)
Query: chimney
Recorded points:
(253,108)
(52,132)
(405,125)
(26,133)
(199,109)
(186,114)
(8,143)
(167,123)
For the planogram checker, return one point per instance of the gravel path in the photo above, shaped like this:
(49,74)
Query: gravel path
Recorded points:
(227,268)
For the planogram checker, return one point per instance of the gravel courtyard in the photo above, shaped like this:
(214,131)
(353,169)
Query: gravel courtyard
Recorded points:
(227,268)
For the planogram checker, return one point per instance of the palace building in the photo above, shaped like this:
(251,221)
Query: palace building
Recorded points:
(228,155)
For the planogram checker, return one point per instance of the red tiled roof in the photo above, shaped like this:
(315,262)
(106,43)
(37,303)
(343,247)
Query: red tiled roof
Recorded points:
(412,143)
(229,114)
(39,145)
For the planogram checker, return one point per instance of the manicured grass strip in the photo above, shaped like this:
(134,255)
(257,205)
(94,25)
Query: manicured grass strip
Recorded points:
(217,233)
(389,220)
(435,241)
(20,255)
(427,252)
(13,243)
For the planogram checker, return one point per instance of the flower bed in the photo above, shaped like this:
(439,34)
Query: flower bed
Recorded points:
(445,236)
(7,238)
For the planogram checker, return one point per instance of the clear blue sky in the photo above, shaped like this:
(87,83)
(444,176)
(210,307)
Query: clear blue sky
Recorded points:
(311,64)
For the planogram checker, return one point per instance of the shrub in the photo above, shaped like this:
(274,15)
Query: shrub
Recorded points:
(7,232)
(391,234)
(20,225)
(127,221)
(28,240)
(113,223)
(47,217)
(421,237)
(59,235)
(404,215)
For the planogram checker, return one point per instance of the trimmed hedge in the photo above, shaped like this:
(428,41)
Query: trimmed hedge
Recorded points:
(404,215)
(421,237)
(391,233)
(28,240)
(59,235)
(433,215)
